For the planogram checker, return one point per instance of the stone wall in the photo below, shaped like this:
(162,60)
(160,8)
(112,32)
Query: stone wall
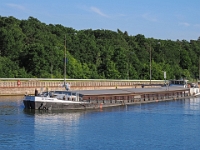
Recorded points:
(28,87)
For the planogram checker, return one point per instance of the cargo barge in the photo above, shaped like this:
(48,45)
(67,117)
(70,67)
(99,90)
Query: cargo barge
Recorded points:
(93,99)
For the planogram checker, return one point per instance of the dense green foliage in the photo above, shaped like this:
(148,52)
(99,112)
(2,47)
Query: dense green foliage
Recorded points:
(30,48)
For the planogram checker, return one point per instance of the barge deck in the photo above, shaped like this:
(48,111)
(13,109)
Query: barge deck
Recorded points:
(133,95)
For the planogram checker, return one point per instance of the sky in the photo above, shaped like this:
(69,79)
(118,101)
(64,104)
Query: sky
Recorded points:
(158,19)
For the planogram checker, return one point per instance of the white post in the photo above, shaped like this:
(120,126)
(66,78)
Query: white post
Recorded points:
(165,76)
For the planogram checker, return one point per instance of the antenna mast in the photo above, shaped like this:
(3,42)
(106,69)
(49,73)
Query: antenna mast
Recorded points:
(65,64)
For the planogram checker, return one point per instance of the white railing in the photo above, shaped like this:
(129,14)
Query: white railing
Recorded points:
(41,82)
(59,79)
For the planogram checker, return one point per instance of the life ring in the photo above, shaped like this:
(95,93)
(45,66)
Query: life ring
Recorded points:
(18,83)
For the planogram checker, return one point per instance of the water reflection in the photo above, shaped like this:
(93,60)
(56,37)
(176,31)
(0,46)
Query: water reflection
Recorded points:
(41,116)
(194,103)
(10,105)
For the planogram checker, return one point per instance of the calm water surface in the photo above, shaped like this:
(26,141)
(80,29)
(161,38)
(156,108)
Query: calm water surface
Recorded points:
(163,125)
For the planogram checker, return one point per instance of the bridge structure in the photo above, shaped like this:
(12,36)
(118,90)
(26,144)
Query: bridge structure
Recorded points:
(22,86)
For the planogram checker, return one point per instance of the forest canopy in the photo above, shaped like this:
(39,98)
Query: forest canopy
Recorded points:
(32,49)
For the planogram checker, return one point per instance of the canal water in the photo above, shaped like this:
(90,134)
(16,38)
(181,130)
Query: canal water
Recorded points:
(167,125)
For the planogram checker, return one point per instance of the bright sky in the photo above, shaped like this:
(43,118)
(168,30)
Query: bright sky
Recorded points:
(160,19)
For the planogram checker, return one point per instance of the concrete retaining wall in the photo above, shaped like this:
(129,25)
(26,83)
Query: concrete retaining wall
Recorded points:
(28,87)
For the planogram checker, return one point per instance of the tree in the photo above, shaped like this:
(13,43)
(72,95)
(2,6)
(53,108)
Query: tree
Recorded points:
(35,49)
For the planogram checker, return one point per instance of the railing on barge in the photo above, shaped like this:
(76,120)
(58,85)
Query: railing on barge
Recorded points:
(131,98)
